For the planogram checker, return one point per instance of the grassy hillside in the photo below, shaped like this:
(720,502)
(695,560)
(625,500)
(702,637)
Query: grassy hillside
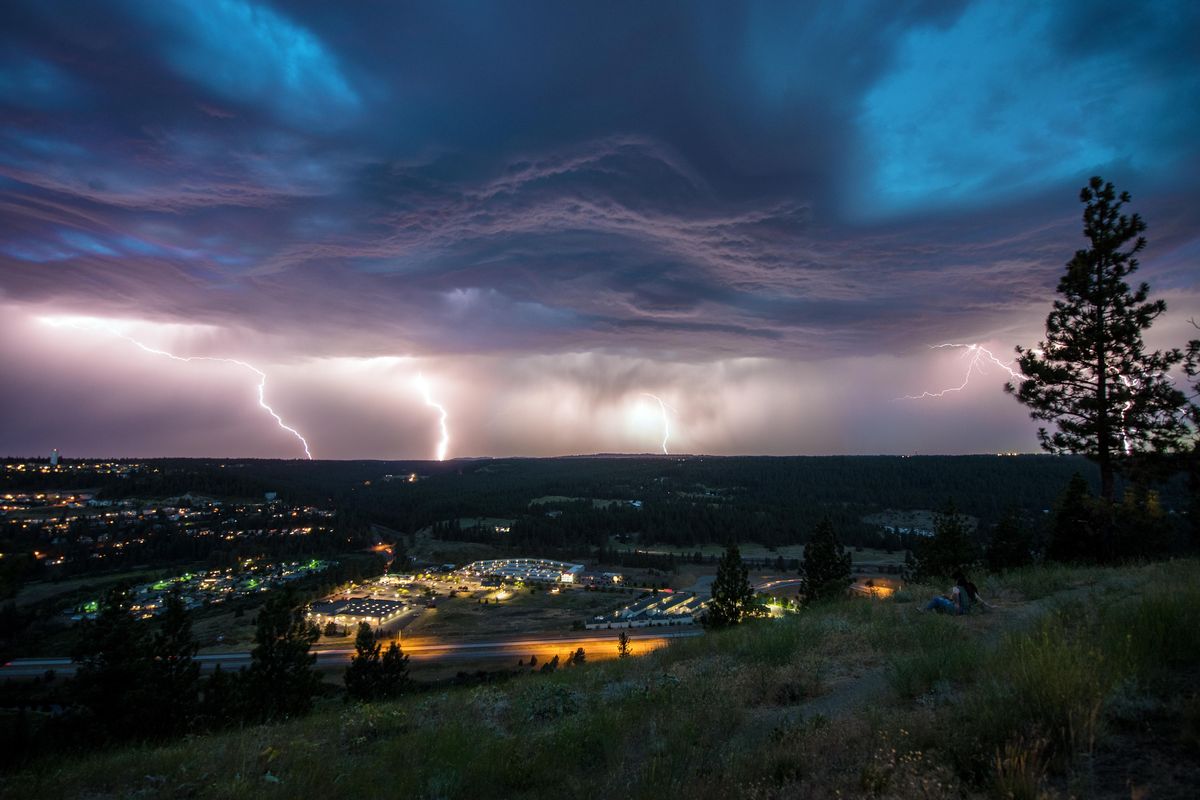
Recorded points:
(1081,683)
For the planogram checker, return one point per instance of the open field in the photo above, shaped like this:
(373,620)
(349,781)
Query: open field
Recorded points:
(438,551)
(471,522)
(913,520)
(519,611)
(1079,684)
(93,584)
(218,631)
(556,498)
(751,550)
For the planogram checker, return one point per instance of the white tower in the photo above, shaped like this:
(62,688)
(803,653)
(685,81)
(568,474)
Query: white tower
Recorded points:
(54,457)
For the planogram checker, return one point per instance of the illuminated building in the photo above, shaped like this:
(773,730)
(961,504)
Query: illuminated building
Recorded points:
(348,613)
(525,569)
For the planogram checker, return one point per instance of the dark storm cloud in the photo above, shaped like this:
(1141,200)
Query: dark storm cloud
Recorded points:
(676,181)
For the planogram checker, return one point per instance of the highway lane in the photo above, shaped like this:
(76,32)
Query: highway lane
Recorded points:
(783,583)
(596,644)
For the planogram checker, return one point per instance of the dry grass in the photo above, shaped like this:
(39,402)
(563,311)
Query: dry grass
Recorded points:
(993,706)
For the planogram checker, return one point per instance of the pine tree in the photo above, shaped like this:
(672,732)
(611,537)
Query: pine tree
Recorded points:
(949,550)
(281,680)
(732,596)
(826,566)
(1192,455)
(1143,530)
(221,701)
(1076,529)
(363,673)
(1011,545)
(623,649)
(175,673)
(393,671)
(113,677)
(1092,377)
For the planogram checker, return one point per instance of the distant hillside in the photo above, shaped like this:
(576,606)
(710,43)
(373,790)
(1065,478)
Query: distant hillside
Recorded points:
(684,500)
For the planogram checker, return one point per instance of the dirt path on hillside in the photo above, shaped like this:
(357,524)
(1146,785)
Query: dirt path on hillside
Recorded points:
(854,690)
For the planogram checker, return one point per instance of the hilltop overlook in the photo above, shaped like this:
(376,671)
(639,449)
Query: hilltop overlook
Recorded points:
(1049,695)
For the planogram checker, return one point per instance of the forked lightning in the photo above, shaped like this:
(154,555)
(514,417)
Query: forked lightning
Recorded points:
(443,442)
(666,422)
(90,325)
(978,357)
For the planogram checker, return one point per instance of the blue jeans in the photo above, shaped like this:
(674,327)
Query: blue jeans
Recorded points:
(941,605)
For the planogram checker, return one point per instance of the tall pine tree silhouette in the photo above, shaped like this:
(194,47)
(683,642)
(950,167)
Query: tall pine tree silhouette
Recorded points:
(826,567)
(281,681)
(1092,376)
(732,595)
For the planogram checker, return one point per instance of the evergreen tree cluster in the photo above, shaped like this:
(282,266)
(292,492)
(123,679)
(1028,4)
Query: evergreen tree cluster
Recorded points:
(952,548)
(826,565)
(733,598)
(1012,544)
(281,681)
(375,674)
(138,680)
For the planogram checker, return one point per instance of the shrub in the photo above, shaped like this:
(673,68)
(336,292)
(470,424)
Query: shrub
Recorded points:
(1158,632)
(1049,685)
(916,674)
(951,548)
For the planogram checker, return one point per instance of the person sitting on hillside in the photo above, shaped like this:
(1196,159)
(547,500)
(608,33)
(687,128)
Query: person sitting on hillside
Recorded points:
(949,603)
(970,593)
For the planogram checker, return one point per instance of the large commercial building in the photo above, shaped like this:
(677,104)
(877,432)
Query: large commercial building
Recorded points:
(525,569)
(677,608)
(348,613)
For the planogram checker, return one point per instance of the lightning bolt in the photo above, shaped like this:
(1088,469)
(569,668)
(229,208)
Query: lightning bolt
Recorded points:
(444,441)
(1126,445)
(978,357)
(666,423)
(262,376)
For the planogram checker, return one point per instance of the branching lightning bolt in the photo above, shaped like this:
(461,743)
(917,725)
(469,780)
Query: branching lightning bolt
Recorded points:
(444,441)
(262,376)
(1126,445)
(663,407)
(977,357)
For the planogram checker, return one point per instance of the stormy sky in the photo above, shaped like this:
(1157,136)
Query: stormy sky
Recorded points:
(557,214)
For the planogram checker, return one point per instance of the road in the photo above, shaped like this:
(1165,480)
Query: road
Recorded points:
(783,583)
(595,644)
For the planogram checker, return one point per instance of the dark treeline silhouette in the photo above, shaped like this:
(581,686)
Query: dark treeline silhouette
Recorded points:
(785,497)
(1081,527)
(138,680)
(685,502)
(778,488)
